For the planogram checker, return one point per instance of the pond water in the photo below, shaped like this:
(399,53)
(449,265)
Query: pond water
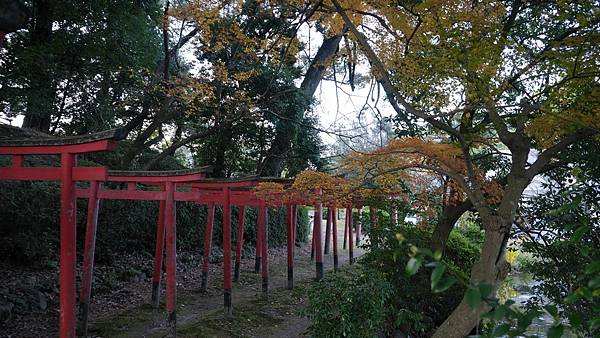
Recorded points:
(519,287)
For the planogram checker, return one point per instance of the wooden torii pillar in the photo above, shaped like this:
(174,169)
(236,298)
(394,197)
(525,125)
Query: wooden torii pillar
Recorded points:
(165,229)
(68,148)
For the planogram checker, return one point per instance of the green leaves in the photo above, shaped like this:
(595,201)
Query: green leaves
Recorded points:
(473,297)
(476,294)
(436,275)
(501,330)
(578,233)
(556,331)
(413,265)
(444,285)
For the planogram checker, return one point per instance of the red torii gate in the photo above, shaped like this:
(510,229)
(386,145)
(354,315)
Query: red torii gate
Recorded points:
(224,192)
(331,233)
(167,196)
(203,191)
(68,172)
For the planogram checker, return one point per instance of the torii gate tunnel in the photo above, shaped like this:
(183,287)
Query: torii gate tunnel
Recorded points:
(168,188)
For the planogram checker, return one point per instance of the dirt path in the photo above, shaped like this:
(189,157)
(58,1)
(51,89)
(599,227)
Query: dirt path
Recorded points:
(201,314)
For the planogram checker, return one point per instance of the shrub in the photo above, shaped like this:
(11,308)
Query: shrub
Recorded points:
(409,304)
(350,303)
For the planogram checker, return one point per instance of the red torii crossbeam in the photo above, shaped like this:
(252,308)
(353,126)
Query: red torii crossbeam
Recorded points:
(165,229)
(211,192)
(193,187)
(68,148)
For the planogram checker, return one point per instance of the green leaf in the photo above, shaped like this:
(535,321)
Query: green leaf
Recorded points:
(594,283)
(484,290)
(578,233)
(444,285)
(473,297)
(425,251)
(593,267)
(501,330)
(413,266)
(436,275)
(552,310)
(575,319)
(499,312)
(556,331)
(437,255)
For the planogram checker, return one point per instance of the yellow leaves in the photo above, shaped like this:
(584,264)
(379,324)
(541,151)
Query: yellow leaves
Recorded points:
(511,256)
(271,192)
(333,22)
(567,111)
(190,91)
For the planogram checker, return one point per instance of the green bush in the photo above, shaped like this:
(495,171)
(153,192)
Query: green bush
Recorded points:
(409,306)
(349,304)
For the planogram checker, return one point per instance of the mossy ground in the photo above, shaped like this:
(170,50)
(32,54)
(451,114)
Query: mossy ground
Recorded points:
(254,315)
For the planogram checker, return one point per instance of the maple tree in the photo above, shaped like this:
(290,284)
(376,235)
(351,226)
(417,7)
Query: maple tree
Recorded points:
(513,78)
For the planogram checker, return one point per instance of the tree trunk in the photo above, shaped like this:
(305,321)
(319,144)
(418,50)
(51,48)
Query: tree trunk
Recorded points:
(448,218)
(287,130)
(224,144)
(42,90)
(13,15)
(491,269)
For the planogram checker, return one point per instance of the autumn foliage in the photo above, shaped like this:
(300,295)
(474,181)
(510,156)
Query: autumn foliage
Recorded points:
(411,170)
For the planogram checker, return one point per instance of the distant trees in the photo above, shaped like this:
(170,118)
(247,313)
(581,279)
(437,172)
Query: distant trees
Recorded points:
(215,78)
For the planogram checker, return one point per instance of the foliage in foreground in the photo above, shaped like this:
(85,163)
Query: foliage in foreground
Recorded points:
(351,303)
(402,303)
(563,237)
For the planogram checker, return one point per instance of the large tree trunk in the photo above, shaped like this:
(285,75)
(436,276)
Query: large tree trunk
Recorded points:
(13,15)
(448,218)
(42,89)
(224,144)
(491,269)
(287,129)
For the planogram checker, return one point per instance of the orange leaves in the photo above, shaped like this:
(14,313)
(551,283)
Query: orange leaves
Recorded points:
(271,192)
(416,165)
(335,191)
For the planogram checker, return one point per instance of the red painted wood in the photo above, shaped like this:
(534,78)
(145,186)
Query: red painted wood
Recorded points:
(159,247)
(223,184)
(17,161)
(239,241)
(52,174)
(334,238)
(290,245)
(68,239)
(350,240)
(295,219)
(358,226)
(171,256)
(318,241)
(328,231)
(208,230)
(264,225)
(90,147)
(227,253)
(157,179)
(88,255)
